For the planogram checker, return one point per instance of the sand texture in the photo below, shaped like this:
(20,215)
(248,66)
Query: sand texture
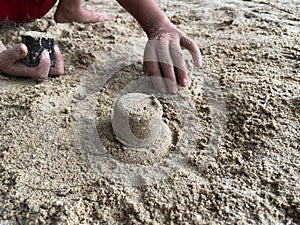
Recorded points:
(233,156)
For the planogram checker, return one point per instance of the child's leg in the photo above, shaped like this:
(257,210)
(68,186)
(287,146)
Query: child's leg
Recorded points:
(73,11)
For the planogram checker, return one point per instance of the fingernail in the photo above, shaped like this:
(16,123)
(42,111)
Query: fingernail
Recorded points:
(56,48)
(113,18)
(174,89)
(46,54)
(185,81)
(22,49)
(199,63)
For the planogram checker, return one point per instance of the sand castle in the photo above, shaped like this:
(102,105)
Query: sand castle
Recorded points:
(138,124)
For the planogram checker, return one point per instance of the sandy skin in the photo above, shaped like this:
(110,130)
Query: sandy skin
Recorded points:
(67,12)
(10,63)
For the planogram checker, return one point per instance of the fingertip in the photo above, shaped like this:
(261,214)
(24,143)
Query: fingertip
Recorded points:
(44,66)
(172,86)
(113,18)
(185,81)
(159,84)
(45,60)
(193,48)
(56,49)
(174,90)
(182,77)
(106,17)
(22,49)
(197,58)
(45,54)
(198,62)
(2,47)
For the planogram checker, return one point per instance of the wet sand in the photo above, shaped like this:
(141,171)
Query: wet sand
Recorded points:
(235,145)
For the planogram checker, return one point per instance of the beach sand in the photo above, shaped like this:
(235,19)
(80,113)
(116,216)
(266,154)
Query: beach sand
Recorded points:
(235,153)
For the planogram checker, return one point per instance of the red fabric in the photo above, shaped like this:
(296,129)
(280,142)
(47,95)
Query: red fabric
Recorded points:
(24,10)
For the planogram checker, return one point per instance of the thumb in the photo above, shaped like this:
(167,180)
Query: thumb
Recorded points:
(13,54)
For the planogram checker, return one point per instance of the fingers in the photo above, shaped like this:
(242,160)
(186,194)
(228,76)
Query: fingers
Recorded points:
(59,63)
(106,17)
(2,47)
(179,64)
(165,59)
(167,66)
(152,69)
(193,49)
(11,64)
(43,69)
(11,55)
(39,73)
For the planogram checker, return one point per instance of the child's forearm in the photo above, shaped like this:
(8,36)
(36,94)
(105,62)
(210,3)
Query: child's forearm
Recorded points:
(147,13)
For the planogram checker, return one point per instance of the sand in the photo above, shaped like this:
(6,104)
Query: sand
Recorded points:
(137,124)
(235,144)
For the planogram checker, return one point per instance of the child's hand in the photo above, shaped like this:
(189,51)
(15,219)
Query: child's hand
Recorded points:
(164,60)
(11,64)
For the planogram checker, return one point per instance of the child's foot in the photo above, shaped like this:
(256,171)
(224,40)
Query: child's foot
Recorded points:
(80,15)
